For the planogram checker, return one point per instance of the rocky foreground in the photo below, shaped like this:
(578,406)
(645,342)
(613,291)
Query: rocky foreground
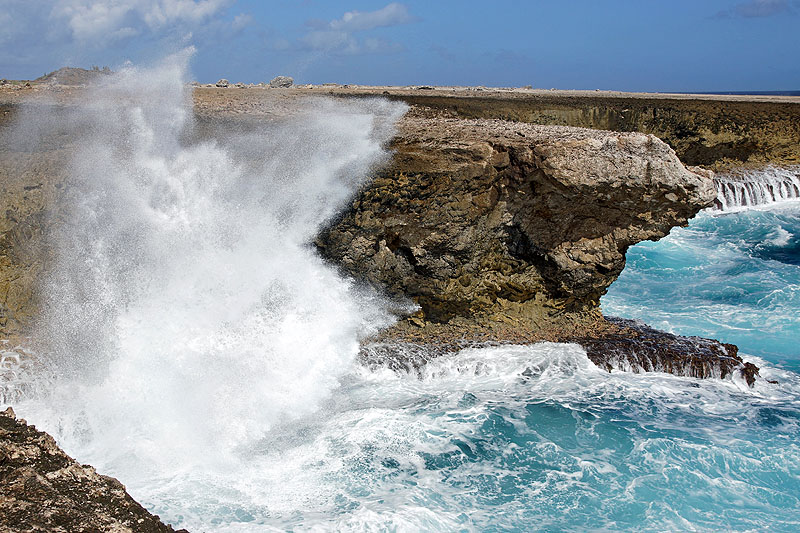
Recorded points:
(42,489)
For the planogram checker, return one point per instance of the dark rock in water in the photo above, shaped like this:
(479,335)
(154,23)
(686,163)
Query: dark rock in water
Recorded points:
(612,344)
(281,82)
(43,489)
(633,346)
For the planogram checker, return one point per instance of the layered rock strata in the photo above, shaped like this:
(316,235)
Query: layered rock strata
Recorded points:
(487,221)
(716,132)
(504,231)
(43,489)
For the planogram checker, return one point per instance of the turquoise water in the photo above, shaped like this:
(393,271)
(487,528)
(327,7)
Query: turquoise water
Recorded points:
(734,277)
(536,438)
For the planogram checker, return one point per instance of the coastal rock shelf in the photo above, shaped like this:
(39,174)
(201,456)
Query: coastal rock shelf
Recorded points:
(498,230)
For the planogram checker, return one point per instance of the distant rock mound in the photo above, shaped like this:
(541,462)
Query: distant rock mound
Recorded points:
(281,82)
(73,76)
(223,83)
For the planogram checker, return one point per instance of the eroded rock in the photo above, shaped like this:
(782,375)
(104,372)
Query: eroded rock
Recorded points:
(281,81)
(43,489)
(482,221)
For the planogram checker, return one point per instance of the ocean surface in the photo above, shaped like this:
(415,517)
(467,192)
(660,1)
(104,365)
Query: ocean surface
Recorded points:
(198,350)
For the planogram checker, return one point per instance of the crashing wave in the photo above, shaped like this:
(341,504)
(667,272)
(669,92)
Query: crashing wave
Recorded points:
(756,188)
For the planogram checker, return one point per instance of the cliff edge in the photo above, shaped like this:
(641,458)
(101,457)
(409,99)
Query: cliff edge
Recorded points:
(485,222)
(510,232)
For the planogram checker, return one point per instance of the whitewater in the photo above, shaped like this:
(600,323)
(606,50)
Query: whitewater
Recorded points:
(196,347)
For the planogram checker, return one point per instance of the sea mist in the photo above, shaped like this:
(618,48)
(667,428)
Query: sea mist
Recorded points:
(187,313)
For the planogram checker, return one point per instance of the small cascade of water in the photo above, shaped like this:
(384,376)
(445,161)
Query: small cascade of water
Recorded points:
(756,188)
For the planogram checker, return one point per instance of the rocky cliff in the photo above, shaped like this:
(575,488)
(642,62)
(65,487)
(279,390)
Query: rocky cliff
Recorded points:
(715,132)
(490,222)
(43,489)
(498,230)
(503,231)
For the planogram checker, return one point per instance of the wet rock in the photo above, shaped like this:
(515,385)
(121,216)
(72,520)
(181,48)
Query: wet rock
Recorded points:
(281,82)
(43,489)
(632,346)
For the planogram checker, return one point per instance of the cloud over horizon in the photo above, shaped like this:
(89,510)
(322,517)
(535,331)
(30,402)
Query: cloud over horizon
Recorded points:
(64,31)
(337,36)
(109,20)
(757,9)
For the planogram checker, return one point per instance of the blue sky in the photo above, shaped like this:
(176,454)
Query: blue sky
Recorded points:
(635,45)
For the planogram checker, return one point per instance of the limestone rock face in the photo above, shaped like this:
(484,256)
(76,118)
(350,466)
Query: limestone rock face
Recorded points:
(43,489)
(494,221)
(718,134)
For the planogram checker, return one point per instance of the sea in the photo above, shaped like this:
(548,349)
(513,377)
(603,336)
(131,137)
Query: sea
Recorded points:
(195,346)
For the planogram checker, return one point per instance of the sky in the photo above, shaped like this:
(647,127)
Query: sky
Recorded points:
(631,45)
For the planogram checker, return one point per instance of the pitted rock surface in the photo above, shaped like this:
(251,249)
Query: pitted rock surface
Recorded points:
(42,489)
(492,221)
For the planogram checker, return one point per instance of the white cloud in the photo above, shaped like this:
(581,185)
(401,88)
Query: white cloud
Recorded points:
(391,15)
(110,20)
(40,35)
(337,35)
(762,8)
(241,21)
(758,9)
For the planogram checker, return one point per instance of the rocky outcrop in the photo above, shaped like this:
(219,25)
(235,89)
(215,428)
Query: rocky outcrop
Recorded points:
(715,133)
(509,232)
(43,489)
(281,82)
(72,76)
(631,346)
(614,344)
(486,222)
(498,230)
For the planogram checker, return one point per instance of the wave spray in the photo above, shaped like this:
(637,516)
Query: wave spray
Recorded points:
(188,314)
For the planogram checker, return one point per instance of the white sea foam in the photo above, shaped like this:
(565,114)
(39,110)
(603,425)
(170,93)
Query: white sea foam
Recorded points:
(750,189)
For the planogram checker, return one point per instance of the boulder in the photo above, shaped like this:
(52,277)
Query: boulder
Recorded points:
(281,82)
(223,83)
